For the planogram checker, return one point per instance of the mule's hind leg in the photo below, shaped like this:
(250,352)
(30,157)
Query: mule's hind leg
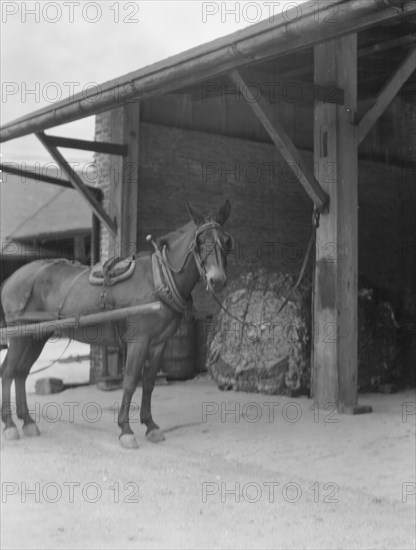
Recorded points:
(32,350)
(7,375)
(136,355)
(153,432)
(20,357)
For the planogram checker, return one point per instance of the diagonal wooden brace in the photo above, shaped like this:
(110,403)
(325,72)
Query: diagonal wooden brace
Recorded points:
(387,94)
(77,182)
(84,145)
(284,144)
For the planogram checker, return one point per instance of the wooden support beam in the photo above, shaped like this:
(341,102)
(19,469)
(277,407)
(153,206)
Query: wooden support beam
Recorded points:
(271,86)
(95,240)
(408,39)
(387,94)
(335,348)
(283,143)
(127,230)
(123,199)
(78,183)
(34,176)
(278,88)
(96,146)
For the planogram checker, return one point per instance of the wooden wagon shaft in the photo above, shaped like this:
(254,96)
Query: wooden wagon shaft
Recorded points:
(81,320)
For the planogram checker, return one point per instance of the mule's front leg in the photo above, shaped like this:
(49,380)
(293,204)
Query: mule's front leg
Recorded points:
(136,355)
(153,432)
(10,430)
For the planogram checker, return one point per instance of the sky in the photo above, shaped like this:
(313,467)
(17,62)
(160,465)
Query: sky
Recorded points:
(52,49)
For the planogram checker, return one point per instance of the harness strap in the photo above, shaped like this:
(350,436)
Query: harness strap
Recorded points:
(29,291)
(199,265)
(165,285)
(74,280)
(53,362)
(27,295)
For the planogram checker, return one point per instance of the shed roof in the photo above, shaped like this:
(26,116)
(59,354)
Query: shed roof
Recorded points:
(275,37)
(35,210)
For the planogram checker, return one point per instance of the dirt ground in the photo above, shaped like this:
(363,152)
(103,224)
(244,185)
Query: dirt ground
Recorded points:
(237,470)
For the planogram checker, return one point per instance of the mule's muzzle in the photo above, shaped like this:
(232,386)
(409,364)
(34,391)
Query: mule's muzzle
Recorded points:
(216,283)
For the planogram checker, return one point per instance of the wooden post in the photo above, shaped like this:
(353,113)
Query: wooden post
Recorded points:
(125,178)
(130,180)
(123,199)
(129,190)
(95,240)
(79,248)
(336,168)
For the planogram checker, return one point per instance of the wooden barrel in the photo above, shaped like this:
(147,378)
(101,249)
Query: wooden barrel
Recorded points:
(204,328)
(180,352)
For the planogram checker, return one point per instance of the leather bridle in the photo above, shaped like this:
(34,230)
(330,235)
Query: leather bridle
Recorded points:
(216,244)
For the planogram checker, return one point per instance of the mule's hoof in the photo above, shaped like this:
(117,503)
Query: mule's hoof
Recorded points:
(31,429)
(128,441)
(155,436)
(11,433)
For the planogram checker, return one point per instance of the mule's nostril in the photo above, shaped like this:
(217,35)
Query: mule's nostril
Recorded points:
(217,284)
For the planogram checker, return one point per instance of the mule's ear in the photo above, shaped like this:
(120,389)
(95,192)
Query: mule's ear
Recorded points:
(196,216)
(223,213)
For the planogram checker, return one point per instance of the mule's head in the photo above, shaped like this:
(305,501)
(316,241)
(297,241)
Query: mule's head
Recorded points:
(211,246)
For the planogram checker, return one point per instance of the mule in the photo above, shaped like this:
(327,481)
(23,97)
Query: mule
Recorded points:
(197,249)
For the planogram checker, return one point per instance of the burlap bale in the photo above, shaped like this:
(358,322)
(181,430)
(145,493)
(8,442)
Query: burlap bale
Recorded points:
(271,353)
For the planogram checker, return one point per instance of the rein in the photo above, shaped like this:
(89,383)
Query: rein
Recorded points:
(315,225)
(53,362)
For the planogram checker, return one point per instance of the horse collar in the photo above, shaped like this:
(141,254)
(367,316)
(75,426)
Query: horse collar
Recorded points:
(165,286)
(163,271)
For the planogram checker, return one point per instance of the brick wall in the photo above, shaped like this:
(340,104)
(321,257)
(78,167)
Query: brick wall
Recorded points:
(271,213)
(270,217)
(103,133)
(108,128)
